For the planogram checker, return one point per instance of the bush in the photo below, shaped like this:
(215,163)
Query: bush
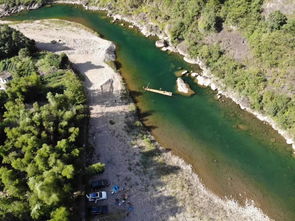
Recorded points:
(210,23)
(60,214)
(95,169)
(276,20)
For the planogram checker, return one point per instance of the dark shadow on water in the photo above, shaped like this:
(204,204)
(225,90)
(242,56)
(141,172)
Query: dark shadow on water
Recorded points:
(135,94)
(118,65)
(150,127)
(144,115)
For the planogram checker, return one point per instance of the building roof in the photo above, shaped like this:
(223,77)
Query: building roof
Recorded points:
(5,75)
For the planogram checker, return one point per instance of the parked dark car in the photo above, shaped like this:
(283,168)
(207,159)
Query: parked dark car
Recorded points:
(99,210)
(99,184)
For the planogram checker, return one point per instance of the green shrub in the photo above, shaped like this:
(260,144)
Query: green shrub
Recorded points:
(95,169)
(276,20)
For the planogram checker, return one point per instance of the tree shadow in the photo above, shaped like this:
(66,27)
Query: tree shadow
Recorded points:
(135,94)
(53,46)
(144,115)
(86,66)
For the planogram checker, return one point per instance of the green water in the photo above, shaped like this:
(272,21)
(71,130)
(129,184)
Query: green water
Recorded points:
(253,161)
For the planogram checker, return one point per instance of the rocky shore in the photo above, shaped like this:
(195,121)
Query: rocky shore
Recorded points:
(6,11)
(208,79)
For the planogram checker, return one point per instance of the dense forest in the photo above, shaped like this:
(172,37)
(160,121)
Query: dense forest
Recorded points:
(43,112)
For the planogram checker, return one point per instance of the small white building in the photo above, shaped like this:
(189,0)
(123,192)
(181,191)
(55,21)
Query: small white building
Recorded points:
(4,78)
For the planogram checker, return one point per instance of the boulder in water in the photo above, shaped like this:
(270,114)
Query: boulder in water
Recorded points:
(181,73)
(161,43)
(183,88)
(194,74)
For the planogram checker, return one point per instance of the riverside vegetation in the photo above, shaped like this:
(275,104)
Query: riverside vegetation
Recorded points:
(265,80)
(43,121)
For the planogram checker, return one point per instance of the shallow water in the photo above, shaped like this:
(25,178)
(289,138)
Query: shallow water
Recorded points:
(235,155)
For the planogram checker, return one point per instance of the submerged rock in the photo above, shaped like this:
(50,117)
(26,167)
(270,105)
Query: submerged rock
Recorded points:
(181,73)
(183,88)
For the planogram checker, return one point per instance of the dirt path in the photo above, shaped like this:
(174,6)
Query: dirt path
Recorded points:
(159,185)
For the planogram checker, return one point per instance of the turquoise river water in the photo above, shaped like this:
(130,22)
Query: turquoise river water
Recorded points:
(235,155)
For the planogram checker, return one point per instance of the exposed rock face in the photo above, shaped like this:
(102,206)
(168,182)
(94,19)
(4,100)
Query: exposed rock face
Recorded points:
(184,88)
(232,42)
(182,48)
(6,11)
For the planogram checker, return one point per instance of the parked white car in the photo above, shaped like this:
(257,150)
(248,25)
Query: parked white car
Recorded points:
(102,195)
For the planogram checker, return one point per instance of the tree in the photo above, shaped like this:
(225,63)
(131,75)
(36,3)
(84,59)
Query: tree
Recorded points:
(276,20)
(95,169)
(39,136)
(11,41)
(60,214)
(210,23)
(3,100)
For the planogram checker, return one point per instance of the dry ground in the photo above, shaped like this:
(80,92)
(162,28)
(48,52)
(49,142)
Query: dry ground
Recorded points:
(285,6)
(234,44)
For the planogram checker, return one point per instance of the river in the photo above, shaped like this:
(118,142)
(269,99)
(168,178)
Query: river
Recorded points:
(234,154)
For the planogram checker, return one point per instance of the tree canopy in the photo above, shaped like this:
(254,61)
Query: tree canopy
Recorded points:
(43,112)
(11,41)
